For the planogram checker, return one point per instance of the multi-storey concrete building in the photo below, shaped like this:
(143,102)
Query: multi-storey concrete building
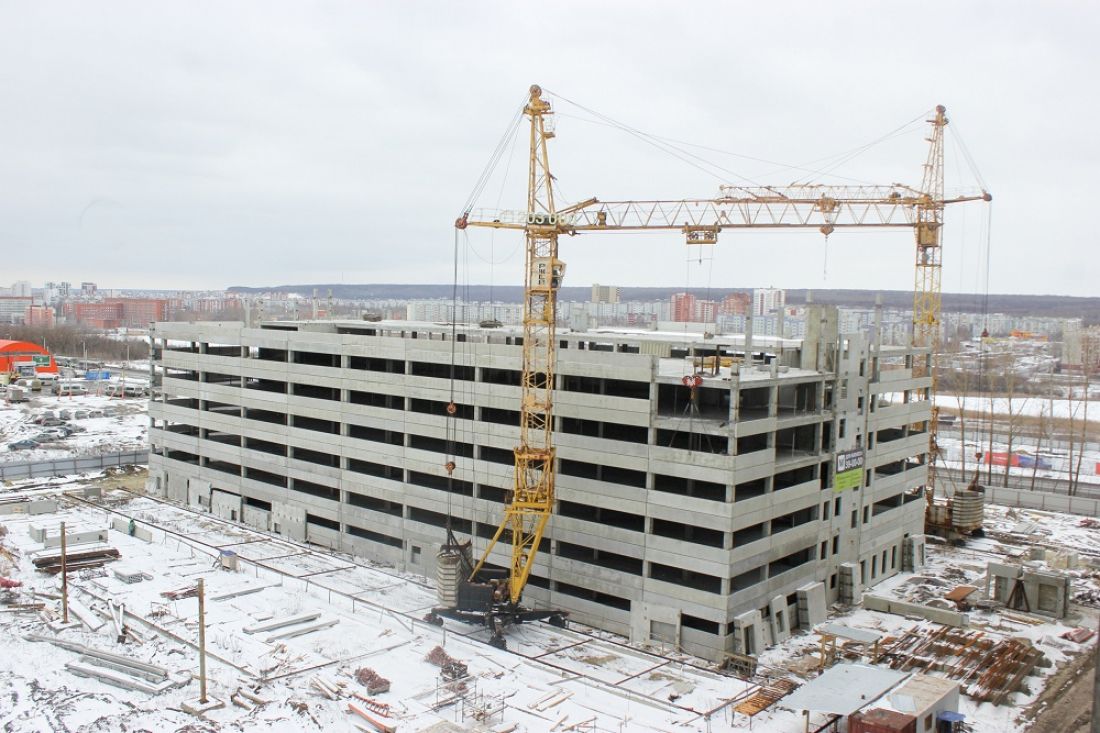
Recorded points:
(711,516)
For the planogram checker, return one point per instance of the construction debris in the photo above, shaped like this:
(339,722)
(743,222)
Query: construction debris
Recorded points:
(989,669)
(377,724)
(766,696)
(450,668)
(374,682)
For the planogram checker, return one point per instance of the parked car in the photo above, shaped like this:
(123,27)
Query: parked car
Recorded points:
(46,438)
(80,415)
(26,444)
(49,422)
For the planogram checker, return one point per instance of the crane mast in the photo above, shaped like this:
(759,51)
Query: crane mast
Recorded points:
(821,207)
(532,499)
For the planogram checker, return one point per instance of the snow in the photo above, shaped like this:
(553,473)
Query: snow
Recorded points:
(1030,406)
(125,427)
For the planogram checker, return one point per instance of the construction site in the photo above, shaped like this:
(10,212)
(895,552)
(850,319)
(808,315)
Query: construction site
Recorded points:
(394,525)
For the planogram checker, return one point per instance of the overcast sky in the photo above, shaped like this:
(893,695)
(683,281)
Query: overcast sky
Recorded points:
(201,145)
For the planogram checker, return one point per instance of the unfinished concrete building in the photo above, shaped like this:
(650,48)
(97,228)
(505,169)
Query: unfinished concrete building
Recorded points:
(708,514)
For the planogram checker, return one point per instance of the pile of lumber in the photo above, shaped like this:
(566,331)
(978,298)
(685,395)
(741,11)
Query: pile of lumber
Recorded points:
(76,560)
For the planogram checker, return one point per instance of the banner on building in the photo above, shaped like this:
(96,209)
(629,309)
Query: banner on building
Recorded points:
(849,469)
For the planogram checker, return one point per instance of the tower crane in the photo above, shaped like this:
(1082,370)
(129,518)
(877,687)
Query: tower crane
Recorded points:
(817,207)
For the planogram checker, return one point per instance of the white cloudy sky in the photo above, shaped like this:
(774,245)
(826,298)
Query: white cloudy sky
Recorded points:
(199,145)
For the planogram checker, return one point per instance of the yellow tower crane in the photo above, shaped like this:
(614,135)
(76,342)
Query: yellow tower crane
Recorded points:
(820,207)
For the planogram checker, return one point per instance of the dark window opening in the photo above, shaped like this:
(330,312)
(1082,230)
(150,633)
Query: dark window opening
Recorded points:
(746,579)
(508,377)
(265,446)
(787,479)
(313,456)
(613,387)
(748,534)
(601,558)
(441,483)
(315,424)
(688,533)
(689,487)
(277,418)
(791,561)
(438,407)
(499,416)
(440,370)
(375,399)
(700,624)
(700,442)
(438,445)
(496,455)
(753,404)
(581,469)
(438,519)
(322,522)
(750,489)
(375,504)
(382,539)
(379,470)
(266,385)
(752,443)
(321,492)
(372,364)
(606,430)
(687,578)
(390,437)
(315,392)
(599,515)
(313,358)
(587,594)
(265,477)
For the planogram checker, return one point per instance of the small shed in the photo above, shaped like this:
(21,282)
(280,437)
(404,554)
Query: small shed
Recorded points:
(925,697)
(880,720)
(843,689)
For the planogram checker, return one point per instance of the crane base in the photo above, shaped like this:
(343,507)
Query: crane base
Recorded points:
(498,619)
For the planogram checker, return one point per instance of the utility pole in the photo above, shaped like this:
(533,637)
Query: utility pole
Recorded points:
(64,578)
(1095,727)
(202,643)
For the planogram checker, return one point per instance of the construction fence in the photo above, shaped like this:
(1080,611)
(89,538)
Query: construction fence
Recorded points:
(72,465)
(1044,500)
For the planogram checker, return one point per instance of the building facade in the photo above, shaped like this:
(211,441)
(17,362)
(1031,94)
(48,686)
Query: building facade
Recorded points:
(693,520)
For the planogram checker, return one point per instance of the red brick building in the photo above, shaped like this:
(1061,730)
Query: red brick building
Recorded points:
(119,312)
(39,315)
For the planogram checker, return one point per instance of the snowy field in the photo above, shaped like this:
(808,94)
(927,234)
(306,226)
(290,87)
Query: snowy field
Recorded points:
(123,426)
(549,677)
(1029,406)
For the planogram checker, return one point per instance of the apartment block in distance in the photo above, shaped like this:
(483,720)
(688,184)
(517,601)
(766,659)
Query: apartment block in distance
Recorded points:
(712,494)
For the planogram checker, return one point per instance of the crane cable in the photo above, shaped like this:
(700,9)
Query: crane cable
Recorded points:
(494,159)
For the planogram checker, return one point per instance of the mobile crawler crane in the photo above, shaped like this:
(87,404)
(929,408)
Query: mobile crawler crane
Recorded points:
(469,590)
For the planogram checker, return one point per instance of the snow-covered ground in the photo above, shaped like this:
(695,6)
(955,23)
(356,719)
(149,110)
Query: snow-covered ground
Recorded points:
(124,426)
(1030,406)
(548,675)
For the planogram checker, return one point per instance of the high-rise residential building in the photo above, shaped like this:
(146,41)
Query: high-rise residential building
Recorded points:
(605,293)
(683,307)
(768,300)
(88,290)
(21,289)
(793,479)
